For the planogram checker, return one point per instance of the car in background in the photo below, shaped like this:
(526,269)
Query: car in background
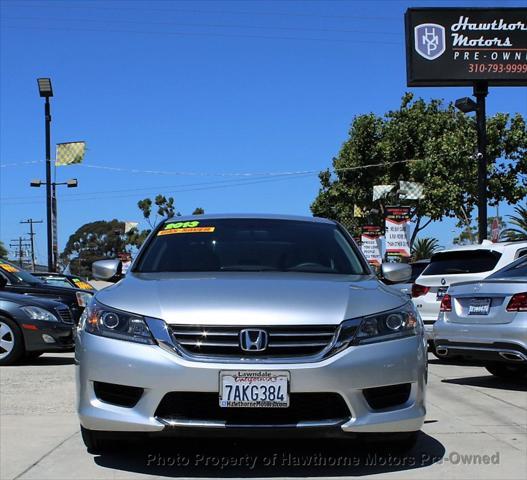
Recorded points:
(486,320)
(63,280)
(462,264)
(406,287)
(30,326)
(20,281)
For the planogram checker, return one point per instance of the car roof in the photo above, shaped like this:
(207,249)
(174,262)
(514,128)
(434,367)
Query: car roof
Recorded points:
(255,216)
(486,245)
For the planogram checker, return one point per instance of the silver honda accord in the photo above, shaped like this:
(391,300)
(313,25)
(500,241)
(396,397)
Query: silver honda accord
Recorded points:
(249,325)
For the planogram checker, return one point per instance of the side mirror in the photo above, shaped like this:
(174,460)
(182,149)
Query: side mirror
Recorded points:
(109,270)
(396,272)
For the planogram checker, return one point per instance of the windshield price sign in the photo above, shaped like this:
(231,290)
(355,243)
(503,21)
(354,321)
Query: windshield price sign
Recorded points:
(460,46)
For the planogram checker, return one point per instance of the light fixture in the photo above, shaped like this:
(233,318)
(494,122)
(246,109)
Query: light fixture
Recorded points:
(72,183)
(44,87)
(36,183)
(466,105)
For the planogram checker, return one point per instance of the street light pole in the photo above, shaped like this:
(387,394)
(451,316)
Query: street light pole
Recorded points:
(51,263)
(481,91)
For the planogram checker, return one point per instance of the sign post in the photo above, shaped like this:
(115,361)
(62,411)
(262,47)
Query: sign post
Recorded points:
(468,46)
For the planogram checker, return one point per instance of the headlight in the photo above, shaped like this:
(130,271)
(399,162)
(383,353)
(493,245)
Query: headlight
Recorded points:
(83,298)
(402,322)
(107,322)
(37,313)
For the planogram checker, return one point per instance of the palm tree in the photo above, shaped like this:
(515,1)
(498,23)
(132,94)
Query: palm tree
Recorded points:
(520,221)
(424,248)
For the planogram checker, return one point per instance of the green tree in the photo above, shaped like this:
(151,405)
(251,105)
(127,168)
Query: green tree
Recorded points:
(93,241)
(520,223)
(3,250)
(198,211)
(164,208)
(429,143)
(469,233)
(424,248)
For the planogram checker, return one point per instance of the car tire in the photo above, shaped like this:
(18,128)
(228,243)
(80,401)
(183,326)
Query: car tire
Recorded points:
(96,442)
(11,342)
(509,372)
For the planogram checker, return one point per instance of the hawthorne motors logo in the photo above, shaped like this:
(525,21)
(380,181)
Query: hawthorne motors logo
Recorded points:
(429,40)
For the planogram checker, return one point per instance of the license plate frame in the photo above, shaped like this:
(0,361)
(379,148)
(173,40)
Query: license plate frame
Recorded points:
(242,393)
(479,306)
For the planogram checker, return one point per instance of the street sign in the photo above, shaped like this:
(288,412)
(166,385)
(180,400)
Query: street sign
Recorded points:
(460,46)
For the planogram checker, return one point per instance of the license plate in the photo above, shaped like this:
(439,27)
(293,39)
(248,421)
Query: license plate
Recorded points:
(441,293)
(479,306)
(254,389)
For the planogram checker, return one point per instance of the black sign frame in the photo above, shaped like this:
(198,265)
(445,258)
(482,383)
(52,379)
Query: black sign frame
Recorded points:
(444,73)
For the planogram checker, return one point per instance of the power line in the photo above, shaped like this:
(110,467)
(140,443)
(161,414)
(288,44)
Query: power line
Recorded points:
(200,186)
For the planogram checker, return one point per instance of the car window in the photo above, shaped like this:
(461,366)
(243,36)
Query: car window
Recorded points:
(517,269)
(522,253)
(17,275)
(246,245)
(463,261)
(59,282)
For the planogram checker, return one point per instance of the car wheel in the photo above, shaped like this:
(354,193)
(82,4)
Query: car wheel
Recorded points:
(11,342)
(509,372)
(96,442)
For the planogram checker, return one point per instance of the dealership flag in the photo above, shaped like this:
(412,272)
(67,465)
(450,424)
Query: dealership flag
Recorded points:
(70,153)
(380,191)
(414,190)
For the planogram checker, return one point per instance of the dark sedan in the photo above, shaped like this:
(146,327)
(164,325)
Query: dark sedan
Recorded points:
(30,326)
(20,281)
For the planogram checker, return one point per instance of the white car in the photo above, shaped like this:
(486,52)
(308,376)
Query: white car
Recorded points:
(463,264)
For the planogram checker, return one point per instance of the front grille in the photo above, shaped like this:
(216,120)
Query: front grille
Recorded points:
(386,397)
(65,315)
(224,341)
(122,395)
(204,406)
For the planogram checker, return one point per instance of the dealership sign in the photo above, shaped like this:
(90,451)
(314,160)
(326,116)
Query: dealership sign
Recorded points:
(397,232)
(460,46)
(371,244)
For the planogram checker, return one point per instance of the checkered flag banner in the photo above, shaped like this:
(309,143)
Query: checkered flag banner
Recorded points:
(413,190)
(70,153)
(380,191)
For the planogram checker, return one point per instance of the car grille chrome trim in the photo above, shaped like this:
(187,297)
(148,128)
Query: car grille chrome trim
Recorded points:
(167,340)
(222,342)
(185,423)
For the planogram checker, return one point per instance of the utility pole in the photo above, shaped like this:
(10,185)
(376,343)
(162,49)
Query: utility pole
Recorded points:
(481,90)
(20,243)
(31,237)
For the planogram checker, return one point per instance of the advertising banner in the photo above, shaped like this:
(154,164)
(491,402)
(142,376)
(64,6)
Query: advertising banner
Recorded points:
(397,226)
(460,46)
(371,244)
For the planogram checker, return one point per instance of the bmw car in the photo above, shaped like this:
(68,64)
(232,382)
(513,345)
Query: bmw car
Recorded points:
(250,325)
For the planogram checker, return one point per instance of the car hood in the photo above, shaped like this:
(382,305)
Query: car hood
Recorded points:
(29,300)
(250,298)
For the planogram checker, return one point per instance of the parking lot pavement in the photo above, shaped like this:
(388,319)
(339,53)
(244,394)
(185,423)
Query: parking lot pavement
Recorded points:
(476,427)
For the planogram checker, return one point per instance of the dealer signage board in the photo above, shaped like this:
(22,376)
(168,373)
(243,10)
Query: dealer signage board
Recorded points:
(397,232)
(371,244)
(460,46)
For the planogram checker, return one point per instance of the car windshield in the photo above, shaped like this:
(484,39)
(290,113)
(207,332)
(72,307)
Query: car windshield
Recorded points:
(462,261)
(517,269)
(58,281)
(250,245)
(17,275)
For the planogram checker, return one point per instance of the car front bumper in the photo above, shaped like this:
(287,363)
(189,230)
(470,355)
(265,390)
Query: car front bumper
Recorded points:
(42,336)
(160,372)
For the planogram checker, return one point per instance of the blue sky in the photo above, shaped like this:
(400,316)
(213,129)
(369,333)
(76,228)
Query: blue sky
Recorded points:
(204,87)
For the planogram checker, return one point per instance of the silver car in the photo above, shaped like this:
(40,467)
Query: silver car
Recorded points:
(487,321)
(250,325)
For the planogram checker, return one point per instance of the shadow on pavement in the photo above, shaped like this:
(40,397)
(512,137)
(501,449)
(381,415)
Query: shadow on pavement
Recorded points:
(459,361)
(47,360)
(171,457)
(490,381)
